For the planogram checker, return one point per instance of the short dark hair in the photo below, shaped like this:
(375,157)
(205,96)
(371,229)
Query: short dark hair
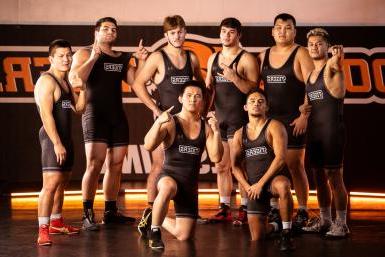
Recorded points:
(285,17)
(172,22)
(105,19)
(259,91)
(58,43)
(193,83)
(233,23)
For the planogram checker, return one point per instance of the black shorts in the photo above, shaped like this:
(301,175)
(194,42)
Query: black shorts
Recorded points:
(48,156)
(261,205)
(228,129)
(293,142)
(186,198)
(326,151)
(98,128)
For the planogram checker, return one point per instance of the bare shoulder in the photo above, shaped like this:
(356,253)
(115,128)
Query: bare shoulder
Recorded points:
(276,126)
(248,58)
(194,57)
(238,134)
(155,58)
(303,52)
(83,52)
(45,83)
(261,55)
(211,58)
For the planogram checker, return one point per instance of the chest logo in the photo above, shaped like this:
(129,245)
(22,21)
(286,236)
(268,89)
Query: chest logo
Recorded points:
(316,95)
(255,151)
(114,67)
(276,79)
(178,80)
(187,149)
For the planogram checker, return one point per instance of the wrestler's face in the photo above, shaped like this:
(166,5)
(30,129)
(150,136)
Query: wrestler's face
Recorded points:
(318,47)
(229,36)
(107,33)
(192,99)
(61,59)
(176,37)
(284,32)
(256,105)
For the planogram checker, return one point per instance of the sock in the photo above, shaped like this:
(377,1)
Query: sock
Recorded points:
(225,199)
(275,225)
(155,227)
(341,216)
(274,203)
(43,221)
(302,207)
(56,216)
(110,206)
(88,204)
(286,224)
(326,215)
(244,201)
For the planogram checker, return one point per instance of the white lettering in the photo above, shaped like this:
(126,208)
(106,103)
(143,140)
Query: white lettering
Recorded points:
(255,151)
(276,79)
(316,95)
(113,67)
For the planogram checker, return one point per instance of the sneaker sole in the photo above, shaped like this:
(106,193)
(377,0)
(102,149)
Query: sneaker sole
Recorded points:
(336,237)
(64,233)
(45,244)
(93,228)
(238,223)
(157,248)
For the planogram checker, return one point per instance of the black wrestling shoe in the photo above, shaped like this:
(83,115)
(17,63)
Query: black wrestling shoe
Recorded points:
(88,220)
(300,220)
(145,222)
(155,239)
(286,243)
(115,217)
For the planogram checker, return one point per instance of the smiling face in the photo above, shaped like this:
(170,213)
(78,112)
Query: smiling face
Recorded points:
(106,33)
(229,36)
(318,47)
(284,32)
(61,59)
(176,37)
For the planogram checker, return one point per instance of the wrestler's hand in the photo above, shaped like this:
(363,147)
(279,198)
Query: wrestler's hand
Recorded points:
(229,74)
(60,152)
(77,82)
(96,50)
(165,116)
(300,125)
(337,57)
(210,114)
(305,109)
(141,53)
(213,123)
(254,191)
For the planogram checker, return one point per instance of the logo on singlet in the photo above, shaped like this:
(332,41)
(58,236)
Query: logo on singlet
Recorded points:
(276,79)
(219,79)
(256,151)
(178,80)
(65,104)
(114,67)
(316,95)
(189,149)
